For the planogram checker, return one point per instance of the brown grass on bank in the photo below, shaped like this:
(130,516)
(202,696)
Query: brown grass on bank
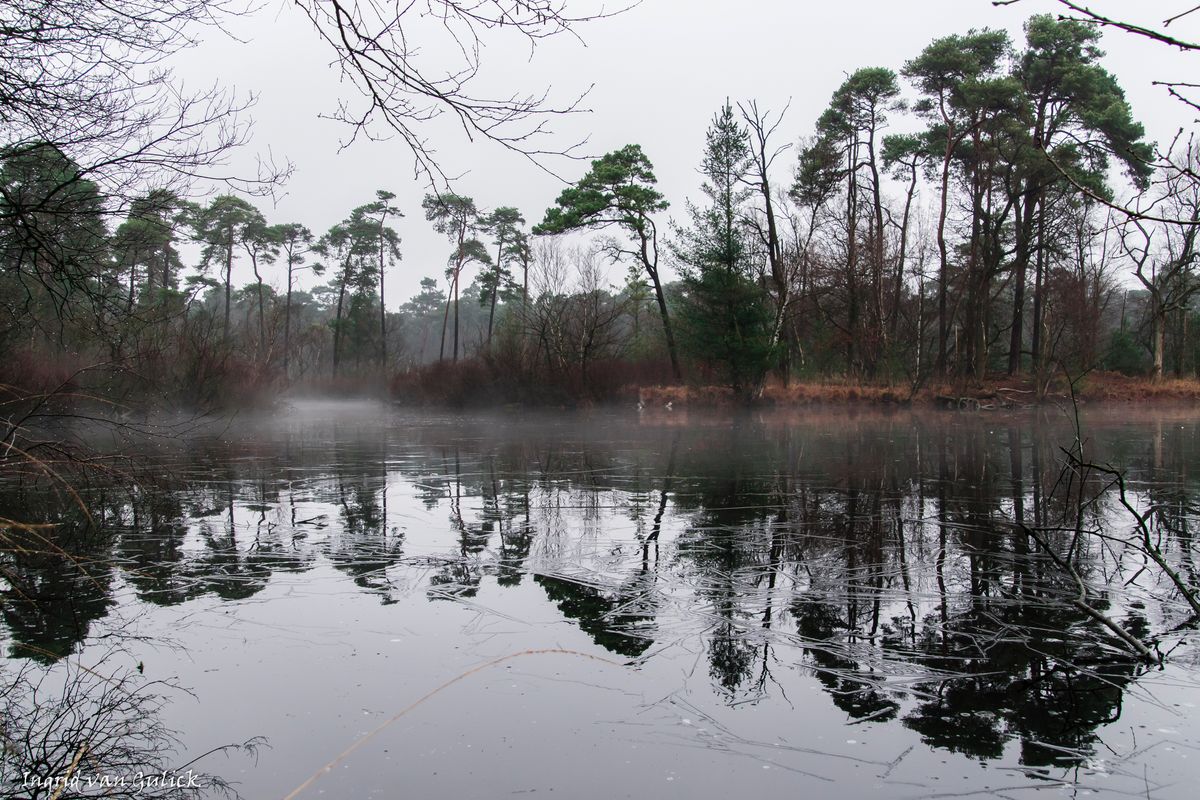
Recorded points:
(822,393)
(493,380)
(1115,387)
(995,393)
(807,393)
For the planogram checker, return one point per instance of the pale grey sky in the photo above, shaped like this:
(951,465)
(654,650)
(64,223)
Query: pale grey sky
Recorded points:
(660,71)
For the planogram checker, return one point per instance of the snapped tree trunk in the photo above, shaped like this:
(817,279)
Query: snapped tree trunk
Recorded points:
(898,277)
(953,138)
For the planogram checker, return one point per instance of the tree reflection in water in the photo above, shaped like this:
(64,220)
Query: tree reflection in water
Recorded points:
(884,555)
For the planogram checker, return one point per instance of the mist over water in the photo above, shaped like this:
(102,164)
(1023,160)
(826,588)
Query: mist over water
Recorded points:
(819,603)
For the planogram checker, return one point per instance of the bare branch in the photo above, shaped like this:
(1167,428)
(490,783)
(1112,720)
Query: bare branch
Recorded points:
(400,91)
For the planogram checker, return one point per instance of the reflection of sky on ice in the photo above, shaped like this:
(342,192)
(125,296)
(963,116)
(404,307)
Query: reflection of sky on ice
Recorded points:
(762,606)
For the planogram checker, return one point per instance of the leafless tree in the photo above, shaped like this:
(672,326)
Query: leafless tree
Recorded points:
(571,317)
(89,79)
(764,220)
(385,50)
(91,731)
(1162,244)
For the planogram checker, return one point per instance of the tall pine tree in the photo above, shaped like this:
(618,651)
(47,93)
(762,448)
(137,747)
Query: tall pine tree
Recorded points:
(726,319)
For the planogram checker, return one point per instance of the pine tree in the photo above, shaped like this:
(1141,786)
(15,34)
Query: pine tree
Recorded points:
(726,317)
(619,191)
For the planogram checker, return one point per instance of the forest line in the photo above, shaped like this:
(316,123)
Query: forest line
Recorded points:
(990,208)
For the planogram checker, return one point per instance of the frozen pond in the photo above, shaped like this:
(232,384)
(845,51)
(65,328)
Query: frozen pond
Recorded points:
(813,604)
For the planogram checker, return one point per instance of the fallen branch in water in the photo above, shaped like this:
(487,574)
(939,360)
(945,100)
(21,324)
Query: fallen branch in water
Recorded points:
(1132,642)
(1077,470)
(1148,545)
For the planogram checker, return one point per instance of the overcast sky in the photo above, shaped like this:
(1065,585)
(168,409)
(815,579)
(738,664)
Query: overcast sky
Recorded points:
(658,72)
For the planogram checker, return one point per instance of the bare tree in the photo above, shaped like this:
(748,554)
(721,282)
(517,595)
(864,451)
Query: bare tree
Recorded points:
(378,46)
(594,315)
(573,317)
(764,219)
(1162,245)
(55,727)
(543,316)
(89,79)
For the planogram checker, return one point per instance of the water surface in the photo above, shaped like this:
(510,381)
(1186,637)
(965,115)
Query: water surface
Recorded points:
(822,604)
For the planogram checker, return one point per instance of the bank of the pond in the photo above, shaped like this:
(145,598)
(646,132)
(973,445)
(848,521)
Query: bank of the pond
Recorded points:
(993,393)
(476,383)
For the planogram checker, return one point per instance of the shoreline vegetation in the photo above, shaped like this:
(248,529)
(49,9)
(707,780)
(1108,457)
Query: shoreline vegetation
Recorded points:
(475,384)
(1004,392)
(46,391)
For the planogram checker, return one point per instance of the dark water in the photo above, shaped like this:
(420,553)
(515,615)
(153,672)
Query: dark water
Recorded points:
(656,605)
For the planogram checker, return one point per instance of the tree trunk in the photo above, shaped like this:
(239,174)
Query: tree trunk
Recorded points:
(133,282)
(525,278)
(262,326)
(382,325)
(1160,341)
(898,278)
(337,321)
(166,273)
(287,323)
(228,278)
(445,322)
(456,275)
(652,270)
(1039,281)
(1020,269)
(943,261)
(495,289)
(976,289)
(852,350)
(953,138)
(382,306)
(877,267)
(491,317)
